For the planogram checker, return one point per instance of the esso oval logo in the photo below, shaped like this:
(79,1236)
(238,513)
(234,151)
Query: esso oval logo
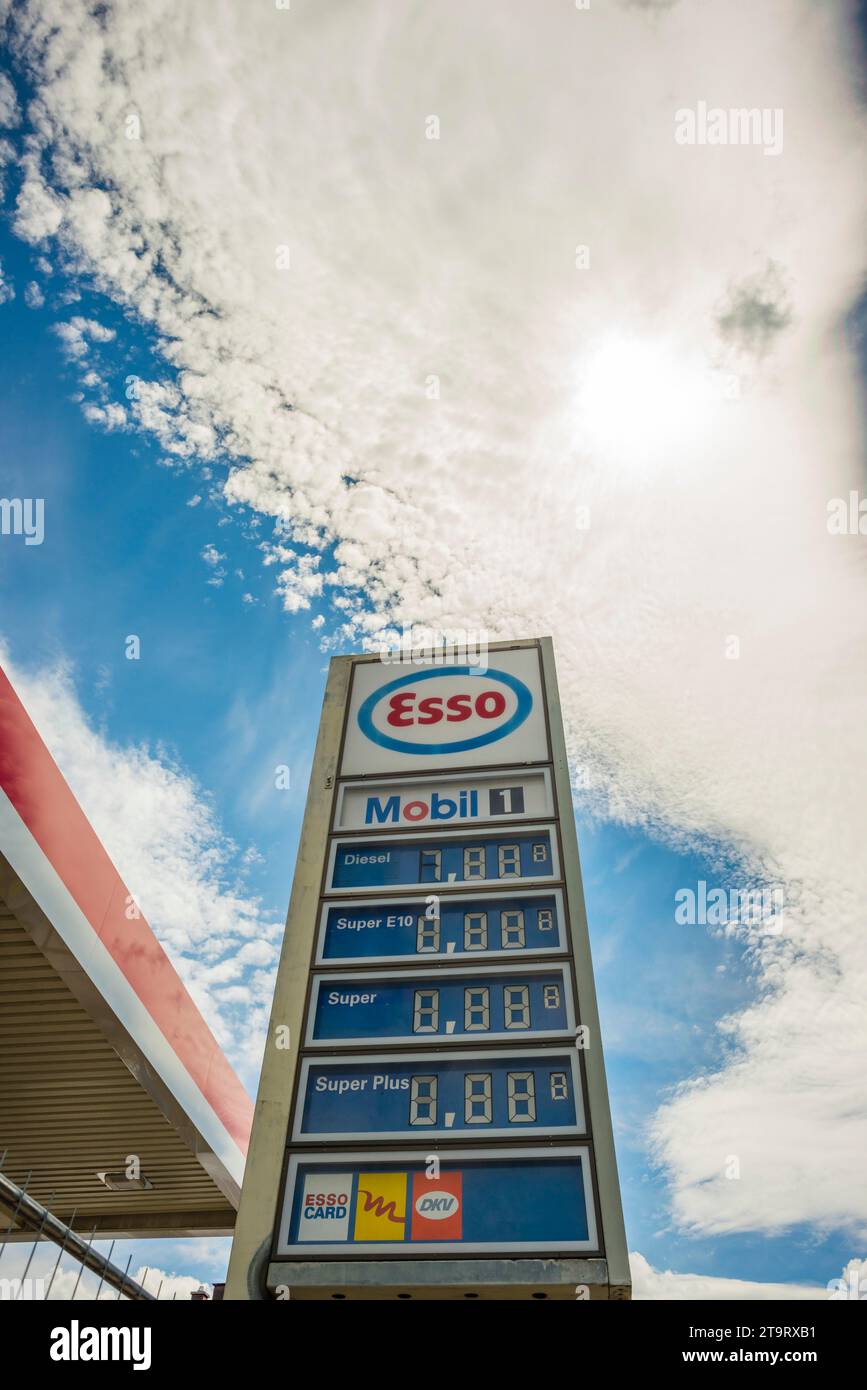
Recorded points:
(439,712)
(437,1205)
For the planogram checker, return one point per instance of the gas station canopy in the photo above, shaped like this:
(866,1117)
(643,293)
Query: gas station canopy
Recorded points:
(118,1110)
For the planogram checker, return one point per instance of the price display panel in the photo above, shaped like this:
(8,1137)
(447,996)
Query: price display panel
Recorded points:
(396,1007)
(513,1200)
(425,929)
(434,861)
(486,1094)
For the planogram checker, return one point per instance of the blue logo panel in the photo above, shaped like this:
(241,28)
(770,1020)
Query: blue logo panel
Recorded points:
(423,1007)
(524,1201)
(393,863)
(466,927)
(484,1094)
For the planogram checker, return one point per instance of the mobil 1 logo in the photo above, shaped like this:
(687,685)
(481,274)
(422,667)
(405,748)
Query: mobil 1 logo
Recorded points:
(456,800)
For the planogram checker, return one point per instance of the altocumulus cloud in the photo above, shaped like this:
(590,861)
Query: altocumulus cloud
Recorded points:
(494,371)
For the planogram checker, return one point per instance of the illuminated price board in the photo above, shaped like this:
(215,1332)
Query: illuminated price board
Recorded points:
(413,929)
(430,861)
(397,1007)
(513,1200)
(487,1094)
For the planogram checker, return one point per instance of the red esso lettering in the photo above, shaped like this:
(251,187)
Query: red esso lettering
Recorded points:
(490,704)
(430,710)
(458,707)
(399,707)
(401,712)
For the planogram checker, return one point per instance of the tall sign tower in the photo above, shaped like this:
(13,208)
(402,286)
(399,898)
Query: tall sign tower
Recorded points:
(432,1118)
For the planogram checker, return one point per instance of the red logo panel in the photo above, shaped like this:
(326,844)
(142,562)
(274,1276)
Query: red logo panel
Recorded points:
(436,1207)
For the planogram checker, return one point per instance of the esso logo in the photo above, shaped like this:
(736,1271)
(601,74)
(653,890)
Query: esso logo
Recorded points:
(440,712)
(437,1205)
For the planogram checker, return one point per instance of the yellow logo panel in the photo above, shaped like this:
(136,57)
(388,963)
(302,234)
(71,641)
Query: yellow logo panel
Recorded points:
(380,1208)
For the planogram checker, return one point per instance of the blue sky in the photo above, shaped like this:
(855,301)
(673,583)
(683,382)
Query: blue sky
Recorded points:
(230,678)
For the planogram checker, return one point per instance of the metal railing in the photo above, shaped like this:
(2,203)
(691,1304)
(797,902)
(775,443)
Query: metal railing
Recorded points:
(27,1214)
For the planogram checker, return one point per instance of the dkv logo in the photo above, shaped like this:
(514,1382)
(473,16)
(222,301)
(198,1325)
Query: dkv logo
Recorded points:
(437,1205)
(436,712)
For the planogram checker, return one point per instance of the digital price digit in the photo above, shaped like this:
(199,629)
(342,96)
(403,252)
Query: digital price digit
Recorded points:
(516,1006)
(513,929)
(423,1100)
(431,866)
(477,1009)
(522,1097)
(426,1011)
(474,862)
(427,939)
(559,1085)
(475,931)
(477,1098)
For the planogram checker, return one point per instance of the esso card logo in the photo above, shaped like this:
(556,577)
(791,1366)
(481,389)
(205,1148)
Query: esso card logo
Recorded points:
(438,712)
(325,1203)
(436,1207)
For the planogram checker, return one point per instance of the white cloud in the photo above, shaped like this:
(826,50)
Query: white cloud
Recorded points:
(9,113)
(33,296)
(164,838)
(437,387)
(111,416)
(7,289)
(79,333)
(653,1284)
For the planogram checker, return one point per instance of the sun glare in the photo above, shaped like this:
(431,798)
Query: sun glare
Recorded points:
(640,396)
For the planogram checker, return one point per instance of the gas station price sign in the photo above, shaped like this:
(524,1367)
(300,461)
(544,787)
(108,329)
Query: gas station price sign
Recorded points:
(401,1007)
(421,929)
(438,1104)
(487,1094)
(409,861)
